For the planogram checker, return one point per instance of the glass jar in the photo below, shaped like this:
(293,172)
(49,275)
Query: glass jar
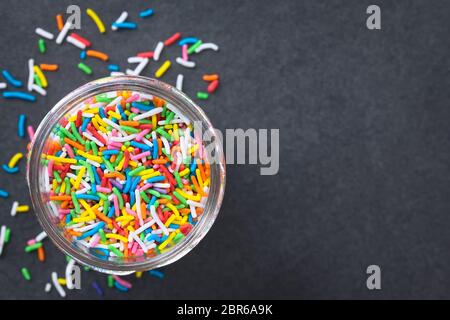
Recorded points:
(39,195)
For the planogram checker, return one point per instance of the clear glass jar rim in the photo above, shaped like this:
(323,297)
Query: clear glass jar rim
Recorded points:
(145,85)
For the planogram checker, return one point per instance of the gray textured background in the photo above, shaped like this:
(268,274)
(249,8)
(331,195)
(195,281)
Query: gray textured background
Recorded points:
(364,149)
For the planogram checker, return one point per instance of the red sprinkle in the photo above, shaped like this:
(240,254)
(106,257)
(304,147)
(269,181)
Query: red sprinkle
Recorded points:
(147,54)
(213,86)
(85,41)
(172,39)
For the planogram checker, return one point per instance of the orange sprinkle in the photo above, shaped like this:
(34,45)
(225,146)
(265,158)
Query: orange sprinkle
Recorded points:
(97,54)
(184,211)
(48,67)
(129,123)
(41,254)
(202,170)
(73,143)
(160,147)
(197,187)
(114,175)
(163,201)
(158,102)
(159,161)
(101,216)
(61,198)
(59,22)
(210,77)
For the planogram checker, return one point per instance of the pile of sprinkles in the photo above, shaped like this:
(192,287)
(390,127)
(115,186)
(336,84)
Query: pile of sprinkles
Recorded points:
(123,173)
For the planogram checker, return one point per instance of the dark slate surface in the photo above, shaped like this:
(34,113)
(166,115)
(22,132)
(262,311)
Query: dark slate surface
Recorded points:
(364,144)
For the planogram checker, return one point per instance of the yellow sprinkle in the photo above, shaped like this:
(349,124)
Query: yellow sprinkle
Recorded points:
(184,172)
(120,165)
(189,196)
(62,160)
(23,208)
(15,158)
(160,72)
(100,121)
(199,178)
(154,122)
(145,172)
(62,281)
(41,76)
(101,27)
(89,156)
(168,240)
(79,177)
(93,110)
(151,175)
(72,118)
(54,184)
(170,220)
(86,206)
(139,274)
(63,187)
(117,237)
(84,219)
(125,218)
(114,115)
(175,132)
(172,207)
(168,126)
(133,163)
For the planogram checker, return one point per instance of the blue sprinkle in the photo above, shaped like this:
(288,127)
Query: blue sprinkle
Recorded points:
(93,188)
(10,170)
(97,288)
(193,167)
(85,124)
(19,95)
(140,145)
(110,152)
(102,113)
(11,80)
(156,179)
(155,149)
(142,106)
(111,212)
(83,55)
(21,125)
(157,273)
(68,218)
(146,13)
(125,25)
(4,194)
(88,197)
(92,231)
(190,40)
(113,67)
(152,201)
(120,287)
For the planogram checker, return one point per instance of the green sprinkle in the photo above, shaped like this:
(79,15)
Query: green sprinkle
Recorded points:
(119,197)
(67,133)
(57,176)
(37,81)
(33,247)
(75,202)
(130,129)
(7,235)
(179,197)
(76,134)
(67,182)
(136,171)
(178,237)
(144,197)
(115,251)
(192,48)
(94,148)
(26,274)
(110,281)
(102,235)
(162,132)
(41,44)
(178,179)
(118,159)
(155,193)
(202,95)
(84,68)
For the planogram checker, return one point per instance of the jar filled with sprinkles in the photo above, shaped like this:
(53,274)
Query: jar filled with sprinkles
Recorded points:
(121,175)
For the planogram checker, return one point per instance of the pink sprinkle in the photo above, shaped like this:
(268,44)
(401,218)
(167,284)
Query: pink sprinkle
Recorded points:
(30,132)
(142,134)
(140,155)
(134,97)
(135,247)
(69,150)
(64,211)
(116,206)
(136,110)
(103,189)
(184,52)
(129,211)
(94,241)
(115,144)
(50,168)
(124,283)
(31,242)
(145,187)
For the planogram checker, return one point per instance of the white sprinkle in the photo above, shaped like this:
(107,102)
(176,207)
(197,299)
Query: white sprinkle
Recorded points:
(87,228)
(145,226)
(166,144)
(158,50)
(56,284)
(123,139)
(30,74)
(137,71)
(148,114)
(77,43)
(41,236)
(48,287)
(92,138)
(174,109)
(206,46)
(164,122)
(87,115)
(162,185)
(180,82)
(144,140)
(116,73)
(193,212)
(184,63)
(136,59)
(114,125)
(44,34)
(158,222)
(140,243)
(2,85)
(63,33)
(94,163)
(39,90)
(138,206)
(14,208)
(123,16)
(2,238)
(195,204)
(115,101)
(69,270)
